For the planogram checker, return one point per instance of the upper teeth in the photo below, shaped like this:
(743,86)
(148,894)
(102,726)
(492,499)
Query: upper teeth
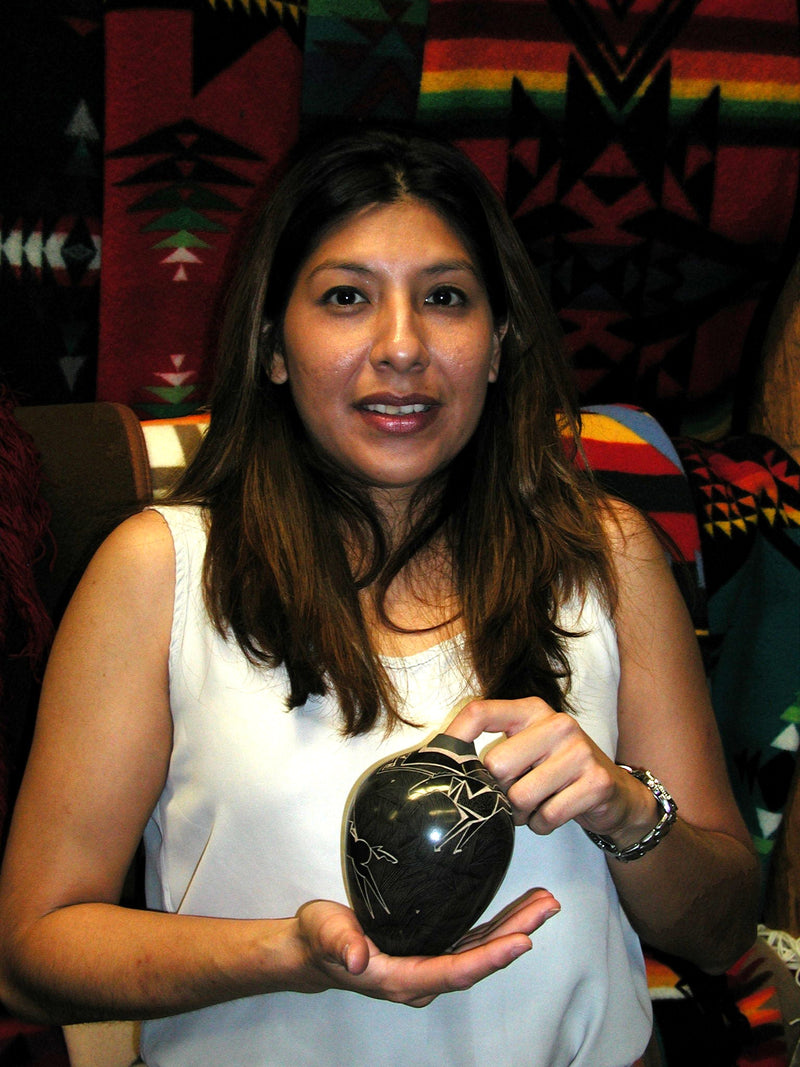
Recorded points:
(393,409)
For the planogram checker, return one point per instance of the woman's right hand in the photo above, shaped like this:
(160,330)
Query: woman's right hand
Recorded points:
(336,953)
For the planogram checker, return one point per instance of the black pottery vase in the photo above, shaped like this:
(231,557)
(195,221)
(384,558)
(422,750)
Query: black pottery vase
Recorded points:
(428,840)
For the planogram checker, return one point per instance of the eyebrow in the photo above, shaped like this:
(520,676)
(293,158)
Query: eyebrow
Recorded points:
(432,270)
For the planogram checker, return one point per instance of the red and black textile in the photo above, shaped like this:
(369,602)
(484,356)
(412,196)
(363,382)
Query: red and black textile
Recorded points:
(25,627)
(633,458)
(51,131)
(747,496)
(743,1018)
(648,152)
(202,104)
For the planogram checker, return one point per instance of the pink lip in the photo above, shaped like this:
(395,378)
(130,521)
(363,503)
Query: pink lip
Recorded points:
(395,422)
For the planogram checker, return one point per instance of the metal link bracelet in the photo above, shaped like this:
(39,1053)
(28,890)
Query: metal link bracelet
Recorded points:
(669,812)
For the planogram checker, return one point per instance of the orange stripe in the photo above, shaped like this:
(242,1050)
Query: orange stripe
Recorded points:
(179,420)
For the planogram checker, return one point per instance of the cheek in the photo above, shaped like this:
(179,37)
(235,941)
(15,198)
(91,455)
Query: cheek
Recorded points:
(322,381)
(317,357)
(472,373)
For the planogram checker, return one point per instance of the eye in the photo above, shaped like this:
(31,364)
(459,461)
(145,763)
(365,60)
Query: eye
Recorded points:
(342,296)
(447,296)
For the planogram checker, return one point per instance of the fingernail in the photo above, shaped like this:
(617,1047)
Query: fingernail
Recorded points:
(520,950)
(549,914)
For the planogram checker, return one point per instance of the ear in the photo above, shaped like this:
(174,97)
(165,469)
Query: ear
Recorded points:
(278,371)
(272,356)
(497,350)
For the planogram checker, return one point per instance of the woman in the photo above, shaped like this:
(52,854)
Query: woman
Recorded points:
(382,534)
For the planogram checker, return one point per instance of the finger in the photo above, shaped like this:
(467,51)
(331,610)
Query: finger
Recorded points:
(568,785)
(424,977)
(496,716)
(558,809)
(552,768)
(523,915)
(337,934)
(473,963)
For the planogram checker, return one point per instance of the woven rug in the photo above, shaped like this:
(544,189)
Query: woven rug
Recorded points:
(648,150)
(51,191)
(747,496)
(362,60)
(624,137)
(202,104)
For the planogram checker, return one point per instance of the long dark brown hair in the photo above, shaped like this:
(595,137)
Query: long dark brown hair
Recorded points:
(521,526)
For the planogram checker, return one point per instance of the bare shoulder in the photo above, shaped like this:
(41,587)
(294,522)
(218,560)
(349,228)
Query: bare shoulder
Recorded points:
(144,537)
(102,744)
(630,534)
(137,559)
(125,597)
(106,682)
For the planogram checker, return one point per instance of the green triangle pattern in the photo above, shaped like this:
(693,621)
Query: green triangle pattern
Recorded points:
(173,394)
(792,713)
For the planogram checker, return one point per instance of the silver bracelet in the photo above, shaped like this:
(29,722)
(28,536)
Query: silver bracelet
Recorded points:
(669,813)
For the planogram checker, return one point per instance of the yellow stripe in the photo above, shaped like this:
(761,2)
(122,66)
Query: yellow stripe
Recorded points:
(445,81)
(478,80)
(697,88)
(598,427)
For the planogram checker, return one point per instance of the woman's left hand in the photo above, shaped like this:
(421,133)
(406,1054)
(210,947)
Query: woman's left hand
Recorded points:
(553,772)
(696,894)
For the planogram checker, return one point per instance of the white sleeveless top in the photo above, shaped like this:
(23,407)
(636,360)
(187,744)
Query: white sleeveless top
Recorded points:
(249,826)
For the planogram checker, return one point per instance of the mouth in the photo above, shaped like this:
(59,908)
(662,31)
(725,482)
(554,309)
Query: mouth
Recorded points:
(395,415)
(396,409)
(392,404)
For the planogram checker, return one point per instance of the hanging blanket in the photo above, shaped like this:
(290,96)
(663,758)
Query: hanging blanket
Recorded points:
(51,122)
(202,104)
(648,153)
(747,494)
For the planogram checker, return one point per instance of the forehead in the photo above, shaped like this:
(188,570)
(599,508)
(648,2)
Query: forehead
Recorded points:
(410,229)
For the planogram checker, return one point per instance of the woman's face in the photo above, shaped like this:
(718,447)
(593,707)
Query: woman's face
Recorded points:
(389,345)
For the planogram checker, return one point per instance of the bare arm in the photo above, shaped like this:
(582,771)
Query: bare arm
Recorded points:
(695,895)
(68,951)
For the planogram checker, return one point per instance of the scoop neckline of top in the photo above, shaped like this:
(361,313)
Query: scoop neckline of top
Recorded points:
(415,659)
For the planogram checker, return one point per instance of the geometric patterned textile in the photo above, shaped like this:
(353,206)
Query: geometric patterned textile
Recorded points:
(362,60)
(747,1017)
(648,152)
(634,459)
(51,129)
(202,103)
(171,444)
(626,448)
(744,487)
(747,493)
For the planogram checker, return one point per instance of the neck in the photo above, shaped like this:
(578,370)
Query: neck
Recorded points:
(420,607)
(394,506)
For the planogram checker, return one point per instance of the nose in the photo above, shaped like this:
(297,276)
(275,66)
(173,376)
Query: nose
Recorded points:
(399,341)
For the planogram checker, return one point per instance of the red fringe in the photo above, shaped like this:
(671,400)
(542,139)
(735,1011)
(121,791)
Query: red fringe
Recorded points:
(24,538)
